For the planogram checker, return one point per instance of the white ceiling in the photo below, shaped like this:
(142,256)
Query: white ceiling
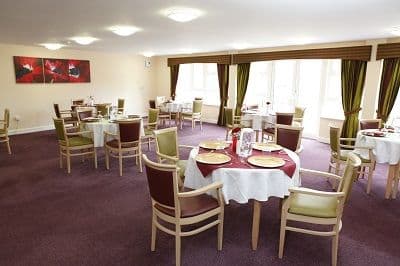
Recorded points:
(259,23)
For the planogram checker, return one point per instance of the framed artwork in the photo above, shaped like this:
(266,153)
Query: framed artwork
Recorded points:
(28,69)
(78,70)
(55,70)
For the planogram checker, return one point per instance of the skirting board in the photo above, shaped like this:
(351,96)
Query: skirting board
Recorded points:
(29,130)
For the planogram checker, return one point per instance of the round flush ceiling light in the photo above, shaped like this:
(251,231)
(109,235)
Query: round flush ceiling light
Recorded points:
(124,30)
(148,54)
(84,40)
(53,46)
(395,31)
(240,45)
(182,14)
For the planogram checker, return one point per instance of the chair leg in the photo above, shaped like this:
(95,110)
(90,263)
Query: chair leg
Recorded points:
(220,233)
(282,235)
(68,162)
(95,157)
(201,125)
(107,159)
(61,158)
(153,232)
(120,163)
(177,245)
(140,162)
(335,242)
(369,181)
(8,147)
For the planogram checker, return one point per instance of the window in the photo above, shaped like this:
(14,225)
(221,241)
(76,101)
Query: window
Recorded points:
(394,117)
(314,84)
(198,80)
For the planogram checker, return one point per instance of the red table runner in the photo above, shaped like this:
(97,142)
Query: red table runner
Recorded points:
(289,167)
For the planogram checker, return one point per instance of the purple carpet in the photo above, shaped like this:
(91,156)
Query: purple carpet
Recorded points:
(95,217)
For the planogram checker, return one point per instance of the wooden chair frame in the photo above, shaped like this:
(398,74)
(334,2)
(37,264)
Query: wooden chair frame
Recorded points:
(298,121)
(336,222)
(293,128)
(336,163)
(67,115)
(379,121)
(273,125)
(151,126)
(237,121)
(68,151)
(177,220)
(4,138)
(192,116)
(122,152)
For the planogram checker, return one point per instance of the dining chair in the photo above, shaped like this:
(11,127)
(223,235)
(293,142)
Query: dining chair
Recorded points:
(194,115)
(282,119)
(232,121)
(181,208)
(121,105)
(310,206)
(103,109)
(69,116)
(288,137)
(152,104)
(78,102)
(340,151)
(150,126)
(370,124)
(84,114)
(298,116)
(162,116)
(74,143)
(124,144)
(4,138)
(167,150)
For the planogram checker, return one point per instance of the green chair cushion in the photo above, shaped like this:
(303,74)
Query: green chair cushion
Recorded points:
(182,167)
(79,141)
(315,206)
(148,131)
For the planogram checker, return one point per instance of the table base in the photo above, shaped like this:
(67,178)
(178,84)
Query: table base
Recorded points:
(392,181)
(255,230)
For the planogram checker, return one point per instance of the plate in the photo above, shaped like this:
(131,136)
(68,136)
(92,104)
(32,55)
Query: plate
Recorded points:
(266,161)
(212,158)
(214,144)
(91,119)
(267,146)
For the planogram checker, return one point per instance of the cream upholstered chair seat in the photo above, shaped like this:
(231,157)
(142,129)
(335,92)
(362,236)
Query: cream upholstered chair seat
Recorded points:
(313,205)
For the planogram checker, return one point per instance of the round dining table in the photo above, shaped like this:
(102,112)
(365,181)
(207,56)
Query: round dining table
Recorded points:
(244,184)
(386,148)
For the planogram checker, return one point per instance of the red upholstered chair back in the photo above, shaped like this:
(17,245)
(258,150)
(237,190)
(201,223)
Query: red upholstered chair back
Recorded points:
(370,124)
(152,104)
(288,137)
(160,179)
(84,114)
(284,118)
(129,131)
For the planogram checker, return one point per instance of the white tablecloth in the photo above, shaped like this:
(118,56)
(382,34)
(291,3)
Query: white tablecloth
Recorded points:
(258,118)
(98,129)
(386,149)
(241,185)
(175,107)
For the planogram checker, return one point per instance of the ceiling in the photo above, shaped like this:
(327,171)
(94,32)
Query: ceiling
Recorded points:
(252,23)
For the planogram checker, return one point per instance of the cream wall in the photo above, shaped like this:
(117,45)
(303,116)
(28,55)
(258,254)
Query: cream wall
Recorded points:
(113,76)
(371,87)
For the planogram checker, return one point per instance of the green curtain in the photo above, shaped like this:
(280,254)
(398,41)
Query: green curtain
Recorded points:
(243,71)
(353,78)
(390,83)
(223,81)
(174,71)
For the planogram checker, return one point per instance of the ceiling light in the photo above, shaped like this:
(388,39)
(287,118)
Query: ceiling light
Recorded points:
(182,14)
(84,40)
(53,46)
(301,41)
(188,51)
(240,46)
(124,30)
(395,30)
(148,54)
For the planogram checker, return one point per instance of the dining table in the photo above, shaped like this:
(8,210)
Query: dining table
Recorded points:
(386,147)
(257,119)
(175,107)
(98,126)
(243,180)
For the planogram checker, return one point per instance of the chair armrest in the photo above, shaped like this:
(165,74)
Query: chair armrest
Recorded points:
(174,159)
(313,192)
(186,146)
(196,192)
(65,111)
(106,134)
(150,124)
(319,173)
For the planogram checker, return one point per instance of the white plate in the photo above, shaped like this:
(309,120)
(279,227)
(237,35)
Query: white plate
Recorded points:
(213,144)
(266,161)
(212,158)
(267,146)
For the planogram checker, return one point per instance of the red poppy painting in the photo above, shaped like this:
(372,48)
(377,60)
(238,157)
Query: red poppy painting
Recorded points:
(55,70)
(78,70)
(28,69)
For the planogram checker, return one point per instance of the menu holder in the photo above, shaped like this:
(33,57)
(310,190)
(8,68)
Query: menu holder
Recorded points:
(266,161)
